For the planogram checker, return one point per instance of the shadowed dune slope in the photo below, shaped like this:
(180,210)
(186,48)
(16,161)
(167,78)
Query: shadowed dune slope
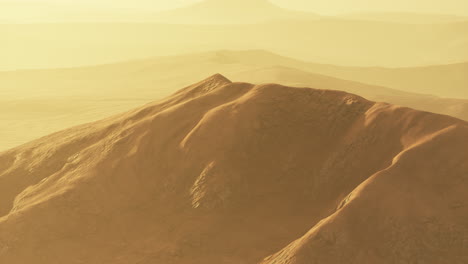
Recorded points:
(224,172)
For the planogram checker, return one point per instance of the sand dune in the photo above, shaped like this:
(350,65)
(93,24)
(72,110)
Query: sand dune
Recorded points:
(224,172)
(35,103)
(450,80)
(290,76)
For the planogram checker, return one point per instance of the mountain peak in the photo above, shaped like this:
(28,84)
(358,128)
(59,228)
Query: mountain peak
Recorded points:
(229,12)
(215,80)
(218,77)
(205,86)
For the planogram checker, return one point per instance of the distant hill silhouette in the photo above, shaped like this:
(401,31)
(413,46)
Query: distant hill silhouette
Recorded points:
(230,12)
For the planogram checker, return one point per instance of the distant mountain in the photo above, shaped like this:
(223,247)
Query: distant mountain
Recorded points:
(230,12)
(224,172)
(332,41)
(405,17)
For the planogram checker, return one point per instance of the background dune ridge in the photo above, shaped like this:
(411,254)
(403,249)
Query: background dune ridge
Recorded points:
(35,103)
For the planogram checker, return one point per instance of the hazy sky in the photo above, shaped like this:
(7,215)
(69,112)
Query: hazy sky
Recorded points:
(459,7)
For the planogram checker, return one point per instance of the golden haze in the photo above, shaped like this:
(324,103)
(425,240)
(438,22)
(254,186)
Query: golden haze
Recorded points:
(233,131)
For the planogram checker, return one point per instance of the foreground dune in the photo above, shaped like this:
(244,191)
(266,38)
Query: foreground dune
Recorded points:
(225,172)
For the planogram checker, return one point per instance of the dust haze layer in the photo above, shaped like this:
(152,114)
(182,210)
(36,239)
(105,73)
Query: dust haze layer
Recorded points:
(224,172)
(405,17)
(35,103)
(23,11)
(229,24)
(329,40)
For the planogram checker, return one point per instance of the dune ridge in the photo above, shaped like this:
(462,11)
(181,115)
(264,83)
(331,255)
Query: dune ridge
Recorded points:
(35,103)
(224,172)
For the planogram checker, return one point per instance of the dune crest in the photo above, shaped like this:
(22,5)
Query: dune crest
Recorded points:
(224,172)
(105,90)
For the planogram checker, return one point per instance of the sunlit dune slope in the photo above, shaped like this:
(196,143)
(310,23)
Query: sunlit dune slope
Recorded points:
(224,172)
(35,103)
